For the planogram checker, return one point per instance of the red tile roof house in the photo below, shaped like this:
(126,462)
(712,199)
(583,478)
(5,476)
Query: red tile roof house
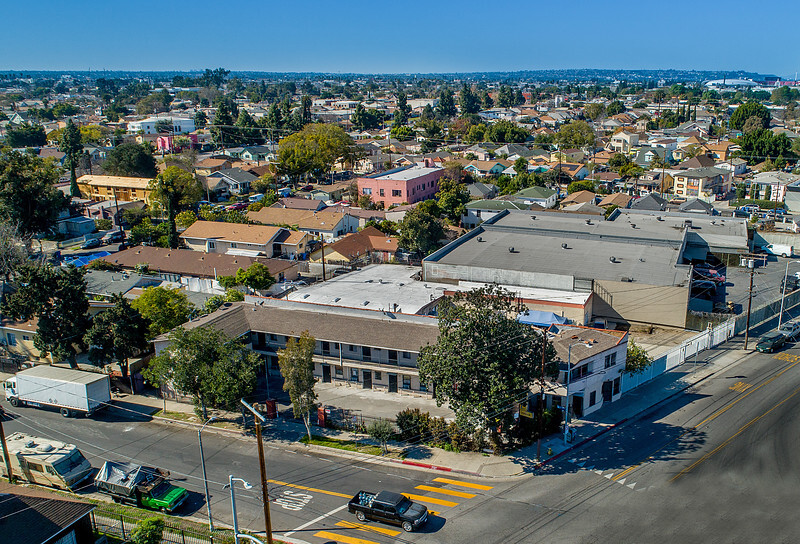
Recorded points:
(401,185)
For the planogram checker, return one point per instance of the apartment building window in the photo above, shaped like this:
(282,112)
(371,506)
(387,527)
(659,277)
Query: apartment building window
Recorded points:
(339,373)
(592,398)
(381,192)
(406,355)
(212,244)
(580,372)
(11,339)
(26,338)
(366,191)
(478,214)
(233,245)
(611,360)
(423,387)
(406,382)
(366,353)
(353,374)
(273,337)
(397,192)
(376,375)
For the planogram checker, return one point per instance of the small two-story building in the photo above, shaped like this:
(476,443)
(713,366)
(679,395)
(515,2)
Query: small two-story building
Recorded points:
(405,185)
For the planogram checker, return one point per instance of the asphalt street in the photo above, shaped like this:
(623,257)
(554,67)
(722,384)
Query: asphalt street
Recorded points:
(715,463)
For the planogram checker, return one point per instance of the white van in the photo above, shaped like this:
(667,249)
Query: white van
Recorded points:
(256,197)
(784,250)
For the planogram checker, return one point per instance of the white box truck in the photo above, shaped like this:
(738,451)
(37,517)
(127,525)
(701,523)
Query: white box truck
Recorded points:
(71,391)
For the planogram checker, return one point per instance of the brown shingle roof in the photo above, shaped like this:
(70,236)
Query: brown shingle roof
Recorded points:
(579,197)
(31,516)
(192,263)
(364,241)
(305,219)
(234,232)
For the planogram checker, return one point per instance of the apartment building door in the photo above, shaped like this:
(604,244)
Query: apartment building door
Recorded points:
(392,383)
(367,381)
(326,373)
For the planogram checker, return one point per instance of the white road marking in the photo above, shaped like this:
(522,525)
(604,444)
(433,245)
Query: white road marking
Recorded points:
(313,521)
(609,475)
(631,485)
(622,481)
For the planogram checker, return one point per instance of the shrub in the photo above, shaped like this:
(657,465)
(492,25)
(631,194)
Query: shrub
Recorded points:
(414,425)
(103,224)
(102,264)
(382,431)
(148,531)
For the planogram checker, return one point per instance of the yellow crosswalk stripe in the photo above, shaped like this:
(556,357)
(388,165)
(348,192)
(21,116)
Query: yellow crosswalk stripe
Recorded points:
(304,488)
(367,528)
(343,539)
(432,500)
(740,387)
(463,484)
(445,491)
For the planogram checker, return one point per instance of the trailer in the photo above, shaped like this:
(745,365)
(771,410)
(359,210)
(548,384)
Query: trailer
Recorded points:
(145,487)
(70,391)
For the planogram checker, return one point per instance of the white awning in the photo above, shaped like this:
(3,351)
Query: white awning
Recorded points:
(244,253)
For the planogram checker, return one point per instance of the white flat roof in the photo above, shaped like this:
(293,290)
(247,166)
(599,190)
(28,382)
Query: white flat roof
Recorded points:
(408,173)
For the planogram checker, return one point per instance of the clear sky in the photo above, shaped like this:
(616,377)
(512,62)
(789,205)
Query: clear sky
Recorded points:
(401,36)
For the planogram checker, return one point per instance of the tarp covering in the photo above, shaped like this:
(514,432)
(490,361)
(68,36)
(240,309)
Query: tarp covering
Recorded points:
(540,319)
(85,259)
(123,478)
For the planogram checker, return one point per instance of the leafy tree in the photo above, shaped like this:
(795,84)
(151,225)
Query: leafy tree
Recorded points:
(593,111)
(637,360)
(474,367)
(297,368)
(364,119)
(521,166)
(401,132)
(203,362)
(486,100)
(506,132)
(452,198)
(614,108)
(175,188)
(305,109)
(576,134)
(631,170)
(157,102)
(576,186)
(386,226)
(256,277)
(163,308)
(468,100)
(783,95)
(382,431)
(13,253)
(313,150)
(763,144)
(505,97)
(26,135)
(185,219)
(57,298)
(753,123)
(118,334)
(746,111)
(223,120)
(618,160)
(213,303)
(200,119)
(447,105)
(131,159)
(29,198)
(71,146)
(402,110)
(148,531)
(103,224)
(420,231)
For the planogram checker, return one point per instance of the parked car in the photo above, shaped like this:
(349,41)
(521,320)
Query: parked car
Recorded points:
(791,283)
(146,487)
(388,507)
(91,243)
(114,237)
(709,274)
(784,250)
(770,342)
(790,329)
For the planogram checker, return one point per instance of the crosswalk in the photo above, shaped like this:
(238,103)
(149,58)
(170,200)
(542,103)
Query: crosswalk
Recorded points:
(441,493)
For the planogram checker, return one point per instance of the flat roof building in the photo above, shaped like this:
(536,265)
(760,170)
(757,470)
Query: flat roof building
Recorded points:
(405,185)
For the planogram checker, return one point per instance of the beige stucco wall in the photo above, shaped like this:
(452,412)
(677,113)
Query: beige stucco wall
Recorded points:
(641,303)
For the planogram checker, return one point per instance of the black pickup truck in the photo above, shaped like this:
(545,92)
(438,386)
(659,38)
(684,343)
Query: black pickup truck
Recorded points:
(388,507)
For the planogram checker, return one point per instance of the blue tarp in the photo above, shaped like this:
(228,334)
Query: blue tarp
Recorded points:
(85,259)
(540,319)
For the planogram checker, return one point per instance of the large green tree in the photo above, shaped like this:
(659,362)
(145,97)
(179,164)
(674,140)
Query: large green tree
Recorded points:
(203,362)
(421,232)
(163,308)
(402,110)
(576,134)
(484,360)
(70,144)
(131,159)
(502,132)
(447,105)
(296,362)
(256,276)
(175,188)
(469,101)
(26,135)
(452,198)
(748,110)
(29,198)
(762,144)
(364,119)
(56,297)
(313,150)
(117,334)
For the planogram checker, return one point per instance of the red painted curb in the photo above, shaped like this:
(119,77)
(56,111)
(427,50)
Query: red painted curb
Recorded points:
(426,465)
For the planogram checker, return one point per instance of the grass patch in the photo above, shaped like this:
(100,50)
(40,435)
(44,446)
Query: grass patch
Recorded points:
(349,445)
(182,416)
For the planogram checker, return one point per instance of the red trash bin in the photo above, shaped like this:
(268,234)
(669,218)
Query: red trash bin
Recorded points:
(321,416)
(272,408)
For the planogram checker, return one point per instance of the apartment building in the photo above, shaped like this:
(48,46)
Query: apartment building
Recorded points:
(124,189)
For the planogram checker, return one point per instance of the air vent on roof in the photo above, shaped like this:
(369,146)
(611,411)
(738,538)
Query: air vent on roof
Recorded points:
(612,259)
(564,246)
(400,284)
(574,337)
(629,280)
(533,218)
(30,444)
(588,221)
(480,238)
(659,218)
(306,295)
(366,302)
(337,299)
(512,250)
(633,225)
(641,260)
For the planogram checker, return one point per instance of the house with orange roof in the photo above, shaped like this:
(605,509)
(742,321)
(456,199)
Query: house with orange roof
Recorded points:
(578,198)
(369,243)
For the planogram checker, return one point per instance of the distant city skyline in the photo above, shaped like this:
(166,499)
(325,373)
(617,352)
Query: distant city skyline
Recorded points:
(412,37)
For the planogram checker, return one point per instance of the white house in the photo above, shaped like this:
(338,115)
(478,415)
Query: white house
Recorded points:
(179,125)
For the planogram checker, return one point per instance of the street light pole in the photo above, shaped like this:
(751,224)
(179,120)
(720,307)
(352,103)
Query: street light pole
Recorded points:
(246,485)
(205,478)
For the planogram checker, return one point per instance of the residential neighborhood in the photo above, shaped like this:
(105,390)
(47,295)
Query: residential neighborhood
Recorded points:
(306,305)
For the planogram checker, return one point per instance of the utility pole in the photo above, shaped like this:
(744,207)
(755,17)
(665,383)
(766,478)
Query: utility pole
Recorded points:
(751,264)
(540,411)
(322,248)
(261,465)
(5,453)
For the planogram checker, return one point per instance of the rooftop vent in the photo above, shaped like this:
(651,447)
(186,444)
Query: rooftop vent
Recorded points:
(564,246)
(533,218)
(574,337)
(512,250)
(641,260)
(612,259)
(365,303)
(400,284)
(337,299)
(480,238)
(588,221)
(633,225)
(30,444)
(629,280)
(659,218)
(306,295)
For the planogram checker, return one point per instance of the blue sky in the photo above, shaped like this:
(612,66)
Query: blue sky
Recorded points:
(410,36)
